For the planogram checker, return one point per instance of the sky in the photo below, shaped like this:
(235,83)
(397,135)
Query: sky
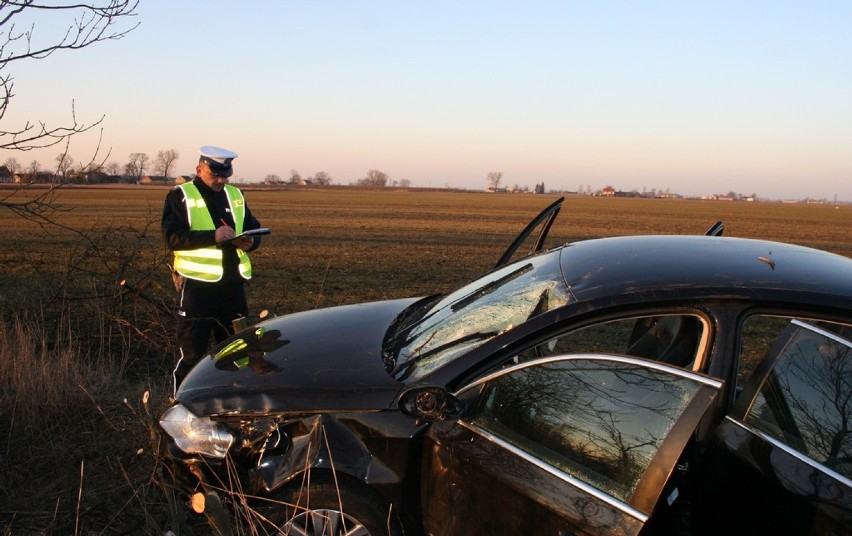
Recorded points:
(686,96)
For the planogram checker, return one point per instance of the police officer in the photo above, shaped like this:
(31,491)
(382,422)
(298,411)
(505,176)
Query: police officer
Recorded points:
(200,221)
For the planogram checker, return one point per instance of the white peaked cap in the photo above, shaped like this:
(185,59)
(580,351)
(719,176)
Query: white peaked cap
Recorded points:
(218,159)
(217,154)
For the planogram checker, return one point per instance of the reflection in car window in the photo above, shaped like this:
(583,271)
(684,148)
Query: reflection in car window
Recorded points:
(758,334)
(673,339)
(599,421)
(760,331)
(806,399)
(479,311)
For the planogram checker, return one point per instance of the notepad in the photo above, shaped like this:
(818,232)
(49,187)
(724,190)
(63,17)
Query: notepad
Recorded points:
(254,232)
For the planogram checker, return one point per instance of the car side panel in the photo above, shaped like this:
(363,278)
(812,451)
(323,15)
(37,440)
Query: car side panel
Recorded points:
(779,461)
(507,494)
(767,490)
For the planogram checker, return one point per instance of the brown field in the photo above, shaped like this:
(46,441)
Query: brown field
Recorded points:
(331,247)
(78,348)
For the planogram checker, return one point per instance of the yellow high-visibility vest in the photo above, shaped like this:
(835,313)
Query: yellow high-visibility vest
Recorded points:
(205,264)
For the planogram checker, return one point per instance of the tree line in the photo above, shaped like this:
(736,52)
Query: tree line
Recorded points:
(139,165)
(68,170)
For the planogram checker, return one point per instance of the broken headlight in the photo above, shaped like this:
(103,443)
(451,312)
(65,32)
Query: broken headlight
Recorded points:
(196,435)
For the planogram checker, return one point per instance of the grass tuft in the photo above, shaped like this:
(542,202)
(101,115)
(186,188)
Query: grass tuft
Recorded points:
(74,458)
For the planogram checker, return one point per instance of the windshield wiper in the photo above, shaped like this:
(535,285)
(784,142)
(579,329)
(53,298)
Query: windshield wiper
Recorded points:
(455,342)
(403,321)
(490,287)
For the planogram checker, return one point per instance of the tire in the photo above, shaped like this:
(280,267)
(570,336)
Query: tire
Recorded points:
(316,510)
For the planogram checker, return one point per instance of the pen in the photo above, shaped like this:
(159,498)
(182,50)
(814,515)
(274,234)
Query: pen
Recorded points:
(223,222)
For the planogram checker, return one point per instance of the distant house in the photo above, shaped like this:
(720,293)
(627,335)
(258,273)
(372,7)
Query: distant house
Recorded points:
(150,179)
(94,177)
(608,191)
(621,193)
(42,177)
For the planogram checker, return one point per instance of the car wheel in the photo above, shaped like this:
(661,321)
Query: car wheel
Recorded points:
(329,509)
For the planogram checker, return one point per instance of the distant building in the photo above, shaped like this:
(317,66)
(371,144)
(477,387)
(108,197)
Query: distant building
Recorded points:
(150,179)
(42,177)
(619,193)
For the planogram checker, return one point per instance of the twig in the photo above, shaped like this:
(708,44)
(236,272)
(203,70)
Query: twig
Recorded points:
(322,284)
(79,500)
(97,407)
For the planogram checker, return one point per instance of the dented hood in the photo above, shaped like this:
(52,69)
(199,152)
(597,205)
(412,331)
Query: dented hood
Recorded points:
(321,360)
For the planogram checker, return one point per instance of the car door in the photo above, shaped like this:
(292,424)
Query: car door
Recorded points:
(784,462)
(580,444)
(544,219)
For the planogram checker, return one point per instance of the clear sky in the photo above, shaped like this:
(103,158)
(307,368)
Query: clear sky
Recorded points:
(695,97)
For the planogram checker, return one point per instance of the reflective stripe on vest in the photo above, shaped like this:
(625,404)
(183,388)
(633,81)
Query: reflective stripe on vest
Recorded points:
(205,264)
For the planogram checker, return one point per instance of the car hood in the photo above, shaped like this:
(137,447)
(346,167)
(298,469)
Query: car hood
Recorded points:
(321,360)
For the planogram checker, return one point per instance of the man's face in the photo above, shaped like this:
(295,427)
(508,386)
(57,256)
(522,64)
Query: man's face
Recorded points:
(215,182)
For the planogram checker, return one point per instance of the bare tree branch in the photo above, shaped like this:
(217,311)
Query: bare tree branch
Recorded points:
(94,24)
(90,23)
(32,136)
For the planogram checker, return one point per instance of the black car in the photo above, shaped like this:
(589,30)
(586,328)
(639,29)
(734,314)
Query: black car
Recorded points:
(642,384)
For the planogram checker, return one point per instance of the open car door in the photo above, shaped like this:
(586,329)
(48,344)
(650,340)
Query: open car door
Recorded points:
(716,229)
(785,447)
(545,219)
(579,444)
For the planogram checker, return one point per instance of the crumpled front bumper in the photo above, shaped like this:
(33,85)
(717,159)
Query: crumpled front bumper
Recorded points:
(213,487)
(186,482)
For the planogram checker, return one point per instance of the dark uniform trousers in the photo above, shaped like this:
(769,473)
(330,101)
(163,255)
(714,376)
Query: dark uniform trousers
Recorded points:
(205,309)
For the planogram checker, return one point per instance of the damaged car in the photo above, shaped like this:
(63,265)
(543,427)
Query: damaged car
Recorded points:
(640,384)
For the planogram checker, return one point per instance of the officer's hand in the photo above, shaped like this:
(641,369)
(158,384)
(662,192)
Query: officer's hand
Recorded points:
(224,234)
(245,243)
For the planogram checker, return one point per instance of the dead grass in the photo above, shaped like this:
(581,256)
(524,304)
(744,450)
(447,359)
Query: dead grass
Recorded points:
(76,457)
(40,369)
(75,342)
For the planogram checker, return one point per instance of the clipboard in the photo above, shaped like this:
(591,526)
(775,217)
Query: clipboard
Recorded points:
(254,232)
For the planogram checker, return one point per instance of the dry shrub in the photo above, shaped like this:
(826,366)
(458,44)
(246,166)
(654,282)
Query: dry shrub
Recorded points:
(42,371)
(75,457)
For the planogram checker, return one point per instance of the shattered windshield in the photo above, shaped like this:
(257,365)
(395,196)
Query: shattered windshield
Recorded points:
(473,314)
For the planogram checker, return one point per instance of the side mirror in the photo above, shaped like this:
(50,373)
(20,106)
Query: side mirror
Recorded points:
(431,404)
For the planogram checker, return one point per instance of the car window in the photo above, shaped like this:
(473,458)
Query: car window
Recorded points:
(758,334)
(598,420)
(673,339)
(805,399)
(761,331)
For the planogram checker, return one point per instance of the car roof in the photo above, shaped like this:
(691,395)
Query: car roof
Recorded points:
(644,268)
